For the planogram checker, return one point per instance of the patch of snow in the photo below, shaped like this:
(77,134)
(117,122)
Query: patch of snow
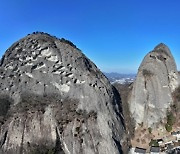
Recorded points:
(46,52)
(151,105)
(62,68)
(39,56)
(29,75)
(29,58)
(38,47)
(20,59)
(63,87)
(57,72)
(63,73)
(10,67)
(68,82)
(34,53)
(16,70)
(165,86)
(53,58)
(38,67)
(70,75)
(29,64)
(83,81)
(80,82)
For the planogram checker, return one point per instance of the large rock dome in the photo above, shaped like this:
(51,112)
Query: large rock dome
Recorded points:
(54,99)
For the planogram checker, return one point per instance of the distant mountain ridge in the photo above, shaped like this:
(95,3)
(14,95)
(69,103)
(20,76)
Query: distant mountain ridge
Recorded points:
(120,77)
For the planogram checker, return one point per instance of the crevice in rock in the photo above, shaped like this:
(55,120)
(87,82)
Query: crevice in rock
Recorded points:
(153,57)
(22,139)
(117,102)
(3,140)
(58,147)
(2,60)
(118,144)
(168,77)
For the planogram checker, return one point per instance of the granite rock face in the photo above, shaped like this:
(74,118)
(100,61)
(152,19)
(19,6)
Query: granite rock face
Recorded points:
(151,95)
(54,99)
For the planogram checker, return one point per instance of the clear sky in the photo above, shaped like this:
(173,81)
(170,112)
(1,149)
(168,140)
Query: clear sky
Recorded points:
(114,34)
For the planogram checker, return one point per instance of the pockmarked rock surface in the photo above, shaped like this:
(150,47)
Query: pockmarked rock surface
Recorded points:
(54,99)
(151,96)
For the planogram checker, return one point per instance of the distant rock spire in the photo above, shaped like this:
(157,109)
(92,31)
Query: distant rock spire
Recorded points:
(151,95)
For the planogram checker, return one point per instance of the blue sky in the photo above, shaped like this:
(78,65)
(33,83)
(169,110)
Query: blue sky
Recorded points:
(115,35)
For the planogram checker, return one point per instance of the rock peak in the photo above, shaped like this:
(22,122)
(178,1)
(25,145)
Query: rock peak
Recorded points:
(161,45)
(48,37)
(162,49)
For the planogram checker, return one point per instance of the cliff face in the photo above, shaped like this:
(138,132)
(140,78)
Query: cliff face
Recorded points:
(54,99)
(151,95)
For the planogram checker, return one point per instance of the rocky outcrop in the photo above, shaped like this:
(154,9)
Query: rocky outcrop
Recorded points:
(151,95)
(54,99)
